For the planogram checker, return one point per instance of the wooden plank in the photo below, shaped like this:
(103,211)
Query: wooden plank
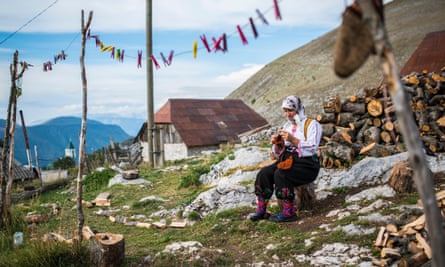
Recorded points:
(143,225)
(178,224)
(103,200)
(423,244)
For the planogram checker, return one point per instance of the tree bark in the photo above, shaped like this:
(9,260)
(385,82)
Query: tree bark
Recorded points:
(108,250)
(8,147)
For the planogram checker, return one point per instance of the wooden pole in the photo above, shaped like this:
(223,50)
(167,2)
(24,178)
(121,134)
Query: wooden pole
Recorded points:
(25,136)
(422,174)
(83,129)
(8,146)
(150,116)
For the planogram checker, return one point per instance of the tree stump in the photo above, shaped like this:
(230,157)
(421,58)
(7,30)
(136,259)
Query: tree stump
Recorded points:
(401,177)
(107,250)
(304,197)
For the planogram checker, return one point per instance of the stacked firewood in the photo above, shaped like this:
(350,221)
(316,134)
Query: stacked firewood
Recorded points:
(407,244)
(366,124)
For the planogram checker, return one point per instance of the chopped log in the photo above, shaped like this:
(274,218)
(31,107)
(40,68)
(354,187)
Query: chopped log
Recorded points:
(130,174)
(377,122)
(432,143)
(381,262)
(416,260)
(55,237)
(378,150)
(36,218)
(367,148)
(419,223)
(423,244)
(360,135)
(178,224)
(340,151)
(332,104)
(352,99)
(385,137)
(342,137)
(441,121)
(87,233)
(375,108)
(388,126)
(357,124)
(344,118)
(413,248)
(160,225)
(391,228)
(143,225)
(392,253)
(379,240)
(371,135)
(401,177)
(326,118)
(372,92)
(328,162)
(107,249)
(328,129)
(103,199)
(354,108)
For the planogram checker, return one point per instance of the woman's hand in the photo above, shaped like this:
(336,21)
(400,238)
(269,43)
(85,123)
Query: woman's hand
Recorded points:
(288,137)
(274,139)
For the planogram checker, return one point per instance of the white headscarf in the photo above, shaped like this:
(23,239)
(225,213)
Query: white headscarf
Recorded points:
(294,102)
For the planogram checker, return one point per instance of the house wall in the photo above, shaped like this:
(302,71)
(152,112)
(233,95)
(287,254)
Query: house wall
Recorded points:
(53,175)
(175,151)
(172,145)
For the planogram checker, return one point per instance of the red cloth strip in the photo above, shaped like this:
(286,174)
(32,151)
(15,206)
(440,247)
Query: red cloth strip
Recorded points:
(241,34)
(277,10)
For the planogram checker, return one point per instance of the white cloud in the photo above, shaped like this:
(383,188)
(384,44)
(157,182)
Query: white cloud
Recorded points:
(114,15)
(236,78)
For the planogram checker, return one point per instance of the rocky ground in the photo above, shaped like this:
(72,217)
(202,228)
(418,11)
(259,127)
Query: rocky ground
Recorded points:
(361,190)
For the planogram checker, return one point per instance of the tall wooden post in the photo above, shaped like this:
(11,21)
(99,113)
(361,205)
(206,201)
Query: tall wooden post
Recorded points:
(25,136)
(83,130)
(150,116)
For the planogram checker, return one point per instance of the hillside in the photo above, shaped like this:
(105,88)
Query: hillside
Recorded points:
(307,71)
(53,136)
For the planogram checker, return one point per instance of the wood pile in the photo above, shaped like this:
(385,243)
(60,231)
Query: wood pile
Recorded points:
(406,245)
(366,125)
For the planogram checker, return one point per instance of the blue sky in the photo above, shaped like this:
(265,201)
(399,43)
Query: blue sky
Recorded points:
(118,89)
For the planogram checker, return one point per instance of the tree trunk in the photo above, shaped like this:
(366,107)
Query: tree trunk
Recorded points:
(107,250)
(401,177)
(8,147)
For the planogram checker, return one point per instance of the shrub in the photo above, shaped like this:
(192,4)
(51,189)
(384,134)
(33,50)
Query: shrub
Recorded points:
(97,180)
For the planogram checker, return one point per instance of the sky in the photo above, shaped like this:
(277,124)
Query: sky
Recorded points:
(40,30)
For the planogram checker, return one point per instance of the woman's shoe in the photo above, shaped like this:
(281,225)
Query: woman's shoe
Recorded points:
(280,217)
(259,216)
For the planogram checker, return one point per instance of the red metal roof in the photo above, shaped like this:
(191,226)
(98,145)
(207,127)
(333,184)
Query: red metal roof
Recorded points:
(202,122)
(429,55)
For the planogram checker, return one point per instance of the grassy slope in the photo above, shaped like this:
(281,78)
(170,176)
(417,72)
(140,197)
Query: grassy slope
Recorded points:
(307,71)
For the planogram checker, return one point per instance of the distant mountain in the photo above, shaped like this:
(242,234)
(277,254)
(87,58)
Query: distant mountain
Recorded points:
(53,136)
(128,124)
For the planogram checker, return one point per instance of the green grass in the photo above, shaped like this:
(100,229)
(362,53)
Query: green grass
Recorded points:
(228,237)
